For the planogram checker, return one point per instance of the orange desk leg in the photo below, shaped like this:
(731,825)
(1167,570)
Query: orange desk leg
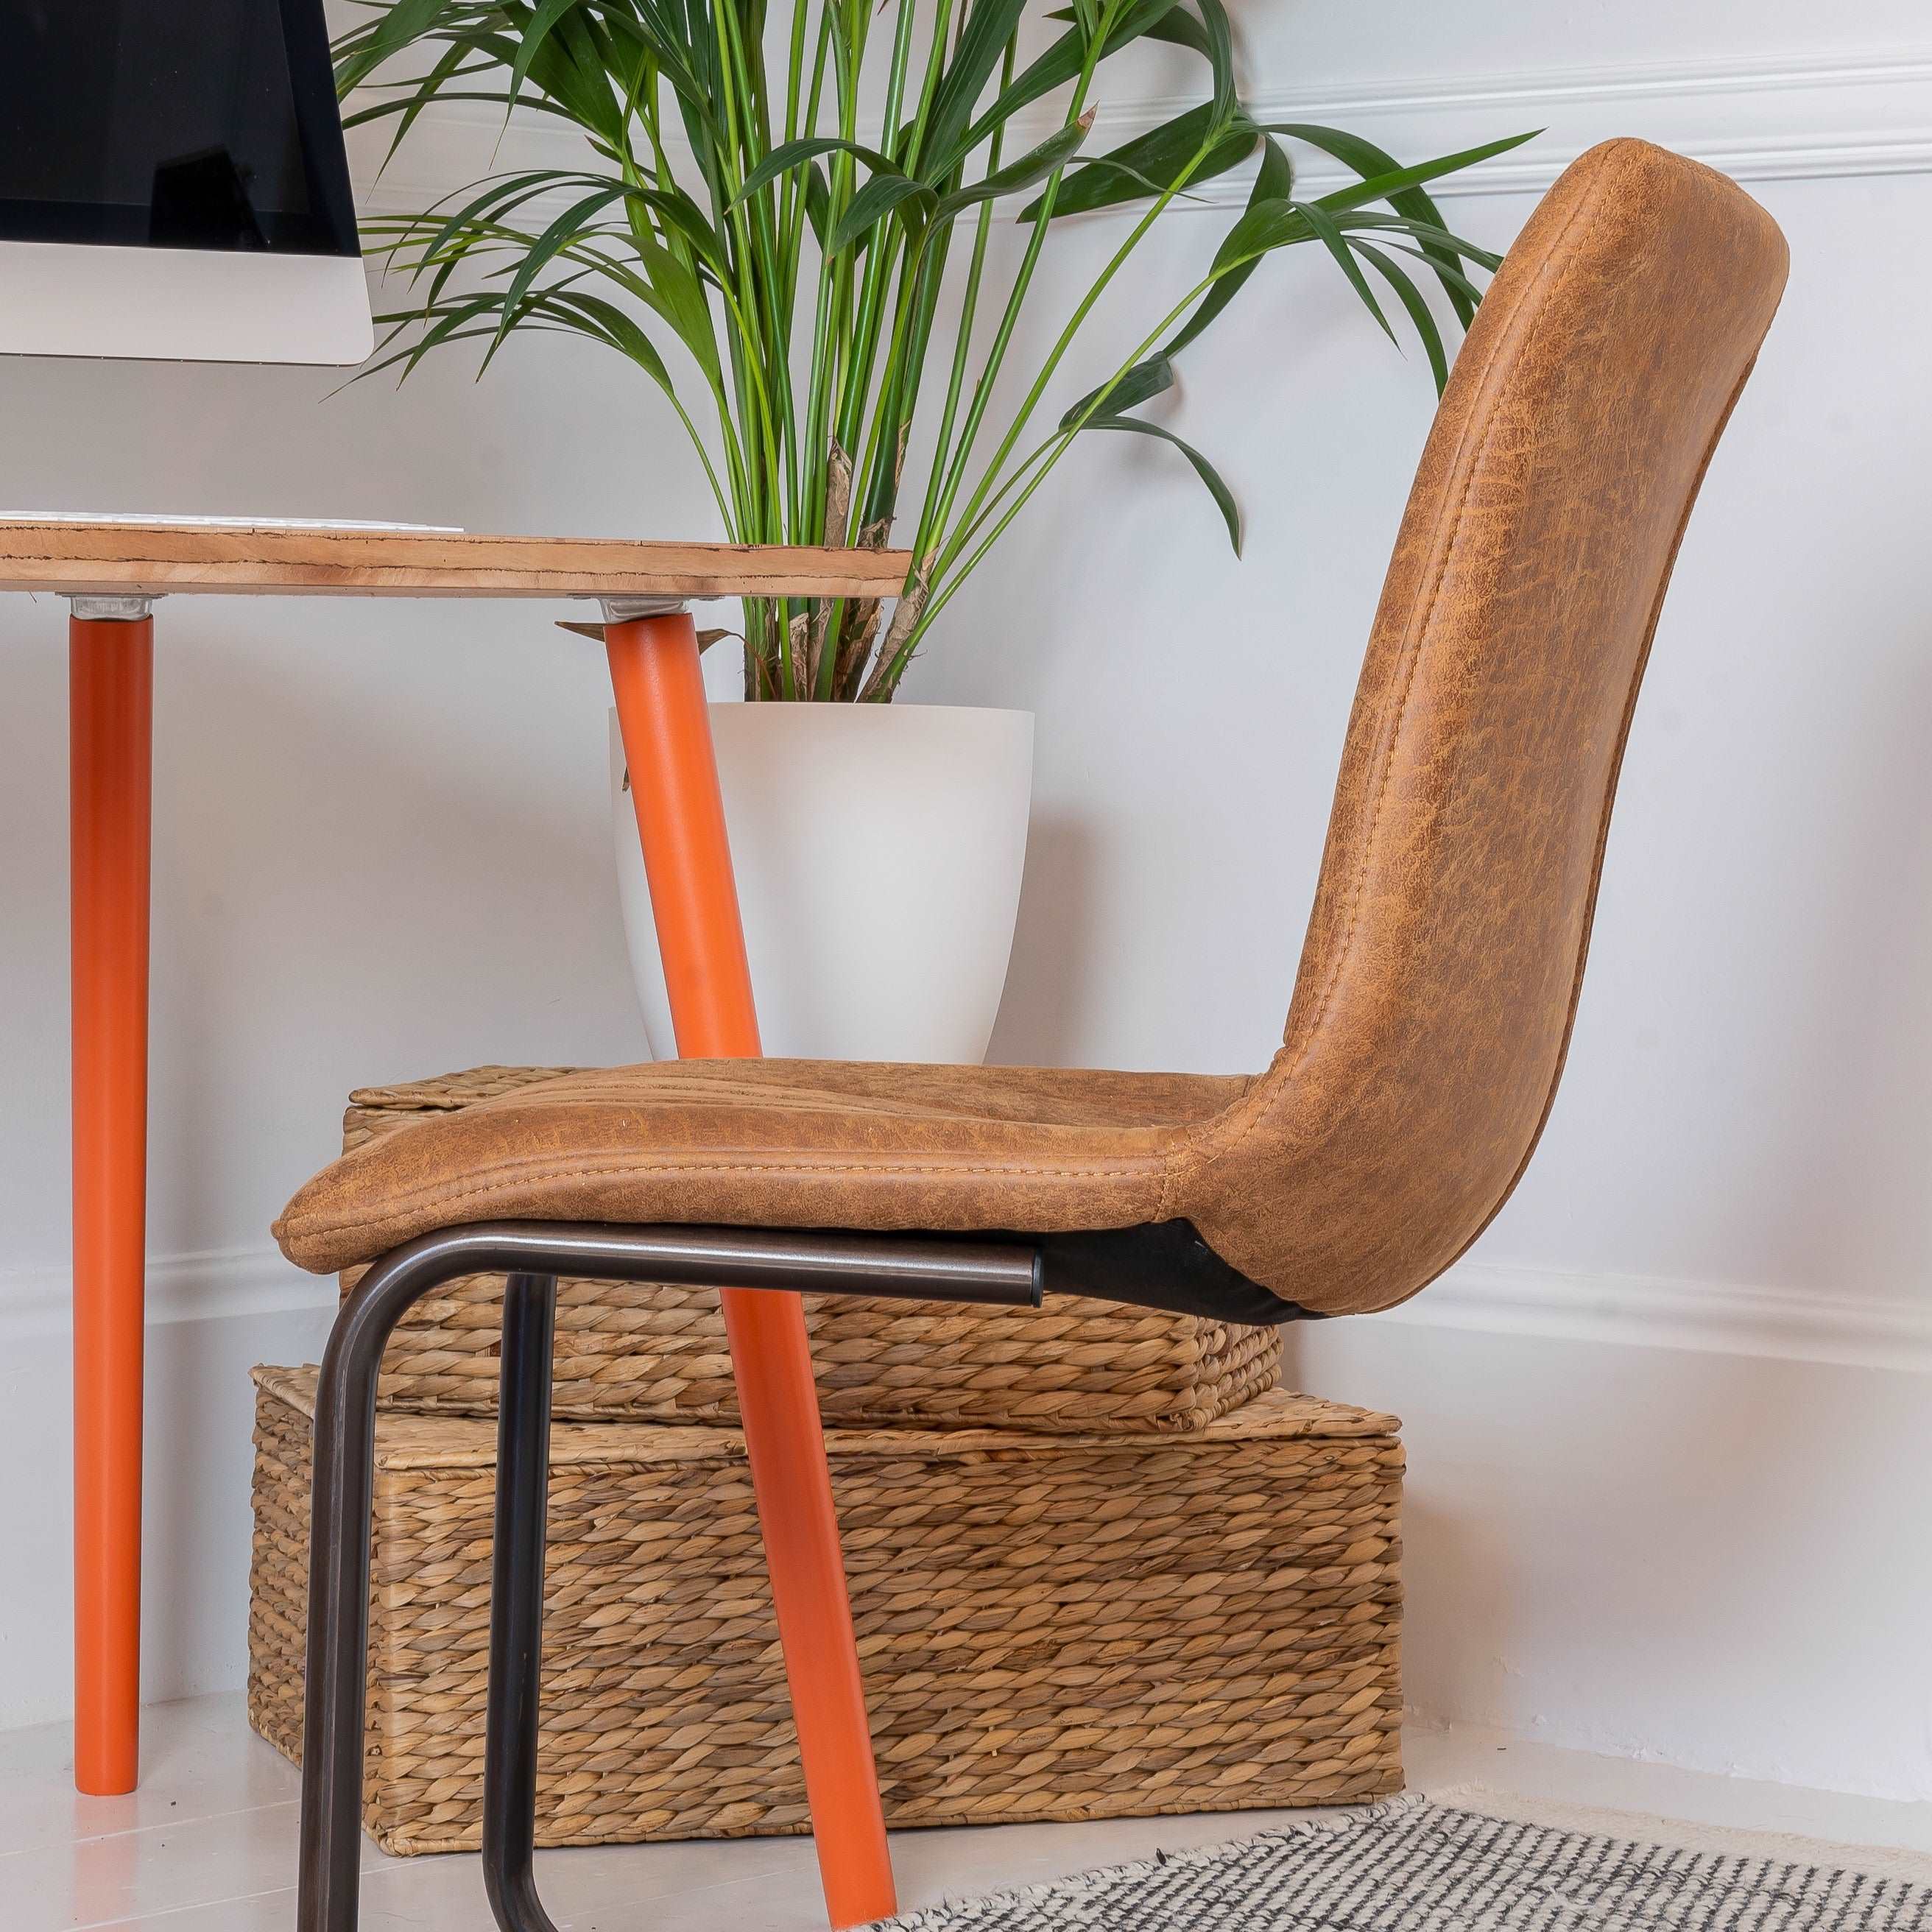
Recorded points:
(110,712)
(667,732)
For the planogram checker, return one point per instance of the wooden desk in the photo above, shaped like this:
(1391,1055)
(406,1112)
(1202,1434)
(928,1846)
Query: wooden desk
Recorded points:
(112,572)
(161,559)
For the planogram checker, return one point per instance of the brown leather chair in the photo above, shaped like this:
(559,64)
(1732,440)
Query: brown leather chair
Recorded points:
(1423,1044)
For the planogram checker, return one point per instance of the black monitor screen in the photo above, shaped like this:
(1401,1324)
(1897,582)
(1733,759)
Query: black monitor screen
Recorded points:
(172,124)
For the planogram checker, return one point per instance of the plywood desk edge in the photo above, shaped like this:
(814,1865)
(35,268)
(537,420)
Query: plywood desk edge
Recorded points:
(158,559)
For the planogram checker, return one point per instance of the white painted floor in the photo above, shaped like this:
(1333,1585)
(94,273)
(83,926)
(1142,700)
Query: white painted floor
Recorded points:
(207,1843)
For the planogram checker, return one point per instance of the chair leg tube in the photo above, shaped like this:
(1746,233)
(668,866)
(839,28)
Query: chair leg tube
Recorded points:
(338,1630)
(341,1503)
(516,1604)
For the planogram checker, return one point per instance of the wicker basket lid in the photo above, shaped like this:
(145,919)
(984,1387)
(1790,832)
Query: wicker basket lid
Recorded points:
(438,1441)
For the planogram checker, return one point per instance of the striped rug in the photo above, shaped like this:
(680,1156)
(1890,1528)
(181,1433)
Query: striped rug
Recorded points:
(1447,1865)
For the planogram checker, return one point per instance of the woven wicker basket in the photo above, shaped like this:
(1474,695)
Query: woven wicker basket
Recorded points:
(1051,1627)
(657,1353)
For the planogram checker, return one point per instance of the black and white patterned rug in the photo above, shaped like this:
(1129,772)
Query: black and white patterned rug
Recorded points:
(1417,1865)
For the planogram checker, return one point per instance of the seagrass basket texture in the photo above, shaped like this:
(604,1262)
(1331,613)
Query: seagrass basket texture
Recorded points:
(656,1353)
(1051,1627)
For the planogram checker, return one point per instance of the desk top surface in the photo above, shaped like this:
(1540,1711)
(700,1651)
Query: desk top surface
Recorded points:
(163,559)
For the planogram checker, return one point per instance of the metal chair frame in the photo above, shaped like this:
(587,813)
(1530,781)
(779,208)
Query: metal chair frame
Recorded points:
(532,1254)
(1165,1264)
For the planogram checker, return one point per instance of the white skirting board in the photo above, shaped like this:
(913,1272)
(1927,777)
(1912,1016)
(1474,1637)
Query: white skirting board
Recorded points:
(1758,117)
(1478,1297)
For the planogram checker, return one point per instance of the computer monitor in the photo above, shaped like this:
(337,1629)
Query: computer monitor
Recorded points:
(172,184)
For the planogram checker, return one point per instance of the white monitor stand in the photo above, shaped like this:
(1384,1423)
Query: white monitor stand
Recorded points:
(181,304)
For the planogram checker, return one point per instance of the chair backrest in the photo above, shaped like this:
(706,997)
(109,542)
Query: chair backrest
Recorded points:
(1440,975)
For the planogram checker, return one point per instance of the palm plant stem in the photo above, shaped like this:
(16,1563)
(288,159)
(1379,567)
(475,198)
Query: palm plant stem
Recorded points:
(1036,467)
(1056,355)
(983,391)
(962,347)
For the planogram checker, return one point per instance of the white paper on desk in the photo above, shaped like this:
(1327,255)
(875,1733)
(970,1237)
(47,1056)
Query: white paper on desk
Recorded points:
(223,522)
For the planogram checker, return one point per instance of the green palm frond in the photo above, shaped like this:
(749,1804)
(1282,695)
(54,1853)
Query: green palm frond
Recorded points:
(794,219)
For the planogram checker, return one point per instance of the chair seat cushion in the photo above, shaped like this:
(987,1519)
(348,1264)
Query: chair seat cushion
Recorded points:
(770,1143)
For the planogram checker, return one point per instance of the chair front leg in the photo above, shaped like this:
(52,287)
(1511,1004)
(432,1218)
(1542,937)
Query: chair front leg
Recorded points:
(516,1604)
(338,1628)
(338,1578)
(531,1254)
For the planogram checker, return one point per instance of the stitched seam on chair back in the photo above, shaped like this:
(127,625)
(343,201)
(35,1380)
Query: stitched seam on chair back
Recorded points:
(1603,830)
(1476,439)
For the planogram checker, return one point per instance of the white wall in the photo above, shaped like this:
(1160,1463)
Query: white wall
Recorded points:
(1667,1425)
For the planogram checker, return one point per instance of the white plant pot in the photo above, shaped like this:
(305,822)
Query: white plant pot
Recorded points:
(878,850)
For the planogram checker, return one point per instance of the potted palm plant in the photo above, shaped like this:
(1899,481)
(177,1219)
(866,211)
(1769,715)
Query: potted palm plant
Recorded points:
(789,223)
